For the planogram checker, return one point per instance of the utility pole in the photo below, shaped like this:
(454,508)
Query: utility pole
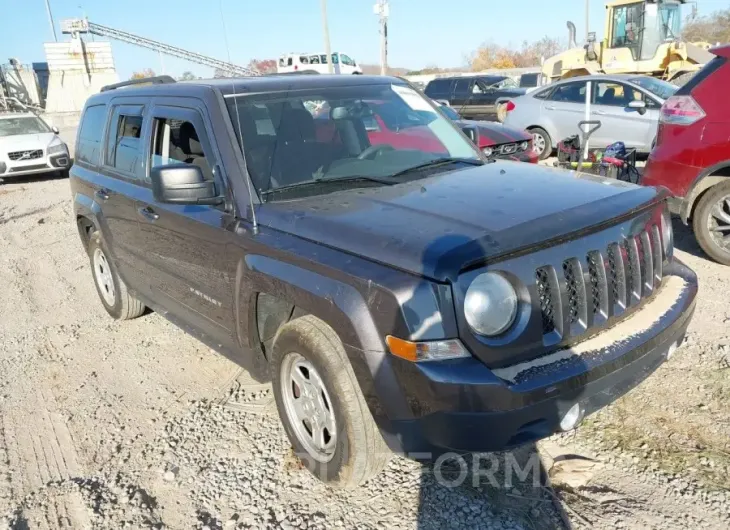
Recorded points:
(588,23)
(326,31)
(50,20)
(382,9)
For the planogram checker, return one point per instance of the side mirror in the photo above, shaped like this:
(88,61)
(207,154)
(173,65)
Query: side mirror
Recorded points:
(55,129)
(183,184)
(472,133)
(638,105)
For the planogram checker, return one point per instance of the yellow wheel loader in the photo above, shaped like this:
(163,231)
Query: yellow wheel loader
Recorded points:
(640,37)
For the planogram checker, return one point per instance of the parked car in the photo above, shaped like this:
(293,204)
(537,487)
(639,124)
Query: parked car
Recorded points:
(496,140)
(396,298)
(692,155)
(476,97)
(626,105)
(28,146)
(317,62)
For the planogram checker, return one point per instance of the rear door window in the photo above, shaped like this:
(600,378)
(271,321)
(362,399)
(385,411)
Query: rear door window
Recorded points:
(88,146)
(461,87)
(438,88)
(124,145)
(570,93)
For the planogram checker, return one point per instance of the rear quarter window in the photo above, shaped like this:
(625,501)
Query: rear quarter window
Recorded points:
(90,134)
(438,88)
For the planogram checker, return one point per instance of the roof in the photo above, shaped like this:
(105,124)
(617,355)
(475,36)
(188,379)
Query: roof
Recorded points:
(243,85)
(599,77)
(471,76)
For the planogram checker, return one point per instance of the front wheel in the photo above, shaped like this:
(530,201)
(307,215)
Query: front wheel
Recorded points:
(711,223)
(322,407)
(541,143)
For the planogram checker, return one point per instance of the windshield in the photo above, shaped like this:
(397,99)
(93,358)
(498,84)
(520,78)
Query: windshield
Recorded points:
(662,23)
(450,113)
(371,132)
(659,88)
(26,125)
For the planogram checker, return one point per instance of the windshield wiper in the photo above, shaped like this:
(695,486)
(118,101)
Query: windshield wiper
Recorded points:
(307,183)
(440,162)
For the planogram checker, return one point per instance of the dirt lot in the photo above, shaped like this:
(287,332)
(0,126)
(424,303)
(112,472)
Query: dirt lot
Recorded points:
(107,425)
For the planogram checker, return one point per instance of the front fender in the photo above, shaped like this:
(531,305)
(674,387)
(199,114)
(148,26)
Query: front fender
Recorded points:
(342,307)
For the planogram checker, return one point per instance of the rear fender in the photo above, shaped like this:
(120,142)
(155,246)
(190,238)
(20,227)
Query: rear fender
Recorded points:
(708,178)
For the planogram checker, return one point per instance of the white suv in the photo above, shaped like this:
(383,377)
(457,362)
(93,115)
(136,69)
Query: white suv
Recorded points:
(28,145)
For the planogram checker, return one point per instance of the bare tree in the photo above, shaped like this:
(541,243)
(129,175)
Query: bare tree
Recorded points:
(491,55)
(714,28)
(187,76)
(147,72)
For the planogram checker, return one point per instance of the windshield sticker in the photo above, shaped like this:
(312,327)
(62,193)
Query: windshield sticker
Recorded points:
(411,98)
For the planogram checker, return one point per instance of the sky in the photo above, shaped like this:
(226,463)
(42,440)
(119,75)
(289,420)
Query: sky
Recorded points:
(421,32)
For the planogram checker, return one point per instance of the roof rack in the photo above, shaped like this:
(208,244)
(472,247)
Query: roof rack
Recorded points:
(157,80)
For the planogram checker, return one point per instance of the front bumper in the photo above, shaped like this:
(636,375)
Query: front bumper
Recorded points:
(45,164)
(464,406)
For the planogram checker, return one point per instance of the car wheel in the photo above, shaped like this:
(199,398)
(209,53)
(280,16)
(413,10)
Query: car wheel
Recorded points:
(63,174)
(502,112)
(322,407)
(541,143)
(112,290)
(711,223)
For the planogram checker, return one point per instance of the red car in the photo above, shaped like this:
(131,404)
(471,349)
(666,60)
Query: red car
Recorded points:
(497,141)
(388,124)
(692,155)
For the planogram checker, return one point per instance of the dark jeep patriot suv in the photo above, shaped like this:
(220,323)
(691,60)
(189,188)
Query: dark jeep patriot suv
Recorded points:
(419,300)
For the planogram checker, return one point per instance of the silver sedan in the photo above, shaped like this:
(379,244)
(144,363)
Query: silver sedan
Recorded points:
(626,105)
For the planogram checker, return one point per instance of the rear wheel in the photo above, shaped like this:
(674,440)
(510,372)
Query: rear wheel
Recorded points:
(541,142)
(502,112)
(112,290)
(711,223)
(322,407)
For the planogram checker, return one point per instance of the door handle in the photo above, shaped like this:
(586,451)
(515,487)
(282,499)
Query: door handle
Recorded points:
(149,214)
(102,194)
(550,108)
(599,112)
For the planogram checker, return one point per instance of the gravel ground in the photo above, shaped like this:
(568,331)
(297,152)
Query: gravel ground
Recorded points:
(133,425)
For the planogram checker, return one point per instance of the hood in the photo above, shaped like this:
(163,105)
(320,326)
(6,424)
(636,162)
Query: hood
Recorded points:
(437,226)
(493,133)
(24,142)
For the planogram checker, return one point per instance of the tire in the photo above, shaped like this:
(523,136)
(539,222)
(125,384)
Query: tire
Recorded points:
(547,142)
(357,452)
(120,304)
(703,219)
(502,111)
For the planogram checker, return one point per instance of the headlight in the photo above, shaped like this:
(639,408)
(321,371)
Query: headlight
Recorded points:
(667,234)
(57,148)
(488,151)
(524,146)
(490,305)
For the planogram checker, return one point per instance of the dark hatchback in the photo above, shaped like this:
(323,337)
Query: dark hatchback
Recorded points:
(397,299)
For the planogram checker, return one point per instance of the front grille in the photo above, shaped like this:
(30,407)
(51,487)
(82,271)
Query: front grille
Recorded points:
(507,149)
(25,155)
(601,284)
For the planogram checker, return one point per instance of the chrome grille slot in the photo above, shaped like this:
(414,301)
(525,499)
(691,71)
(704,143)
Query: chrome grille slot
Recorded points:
(617,272)
(647,263)
(575,291)
(599,284)
(658,254)
(545,295)
(633,271)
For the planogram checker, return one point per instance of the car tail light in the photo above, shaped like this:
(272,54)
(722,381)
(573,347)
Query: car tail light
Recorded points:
(510,106)
(681,110)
